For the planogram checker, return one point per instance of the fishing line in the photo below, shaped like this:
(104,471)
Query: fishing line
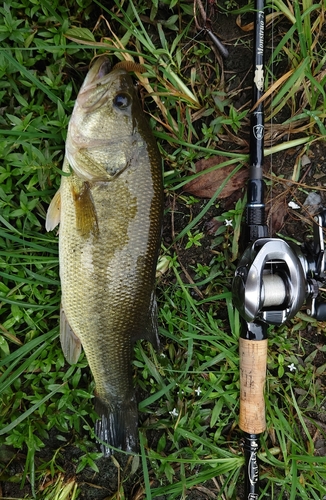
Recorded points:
(216,41)
(193,38)
(203,28)
(196,24)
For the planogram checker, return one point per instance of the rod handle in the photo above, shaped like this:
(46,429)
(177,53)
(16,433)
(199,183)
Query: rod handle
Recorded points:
(253,360)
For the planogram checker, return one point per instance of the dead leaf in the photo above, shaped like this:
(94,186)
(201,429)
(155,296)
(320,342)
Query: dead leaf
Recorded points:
(276,215)
(206,185)
(250,26)
(212,226)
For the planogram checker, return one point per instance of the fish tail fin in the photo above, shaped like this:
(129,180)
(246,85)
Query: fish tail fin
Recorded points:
(117,426)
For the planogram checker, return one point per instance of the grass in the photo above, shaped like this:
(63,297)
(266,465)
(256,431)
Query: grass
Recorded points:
(189,437)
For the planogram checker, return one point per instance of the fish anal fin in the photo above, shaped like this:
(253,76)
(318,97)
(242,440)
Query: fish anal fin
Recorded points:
(54,212)
(86,217)
(70,343)
(117,427)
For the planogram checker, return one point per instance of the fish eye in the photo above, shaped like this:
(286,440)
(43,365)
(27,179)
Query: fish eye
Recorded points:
(122,101)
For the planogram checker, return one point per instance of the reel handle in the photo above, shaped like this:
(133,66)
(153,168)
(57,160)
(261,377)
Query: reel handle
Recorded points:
(320,311)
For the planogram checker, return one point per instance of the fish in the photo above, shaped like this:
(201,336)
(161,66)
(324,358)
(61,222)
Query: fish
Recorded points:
(110,208)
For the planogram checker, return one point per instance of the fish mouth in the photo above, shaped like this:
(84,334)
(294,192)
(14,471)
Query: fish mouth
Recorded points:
(100,69)
(104,69)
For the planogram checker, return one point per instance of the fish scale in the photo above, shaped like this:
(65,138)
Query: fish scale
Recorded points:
(110,228)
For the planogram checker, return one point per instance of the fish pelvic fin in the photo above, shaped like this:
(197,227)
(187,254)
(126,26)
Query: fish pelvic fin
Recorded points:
(117,427)
(70,343)
(54,212)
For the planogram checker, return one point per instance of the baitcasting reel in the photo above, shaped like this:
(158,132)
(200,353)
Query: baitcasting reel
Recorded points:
(274,278)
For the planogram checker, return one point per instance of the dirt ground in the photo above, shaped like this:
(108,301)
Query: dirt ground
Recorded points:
(282,219)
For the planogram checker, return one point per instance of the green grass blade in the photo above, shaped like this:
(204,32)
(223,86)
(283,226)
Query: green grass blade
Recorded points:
(30,76)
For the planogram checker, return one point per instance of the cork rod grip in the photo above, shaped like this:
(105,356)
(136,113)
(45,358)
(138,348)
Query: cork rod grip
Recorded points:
(253,359)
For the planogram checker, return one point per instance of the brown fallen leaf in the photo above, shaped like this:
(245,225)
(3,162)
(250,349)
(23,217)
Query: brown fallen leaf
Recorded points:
(206,185)
(276,215)
(250,26)
(212,226)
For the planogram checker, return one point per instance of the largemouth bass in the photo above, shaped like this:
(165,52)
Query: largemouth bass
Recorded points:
(109,206)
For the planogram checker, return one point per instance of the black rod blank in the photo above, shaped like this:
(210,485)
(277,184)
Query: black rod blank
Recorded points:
(255,209)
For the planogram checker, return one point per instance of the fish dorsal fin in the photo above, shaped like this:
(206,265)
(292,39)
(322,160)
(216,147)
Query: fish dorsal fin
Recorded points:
(54,212)
(70,343)
(86,217)
(150,332)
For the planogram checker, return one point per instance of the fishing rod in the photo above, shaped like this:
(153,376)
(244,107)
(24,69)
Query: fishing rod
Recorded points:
(253,336)
(272,281)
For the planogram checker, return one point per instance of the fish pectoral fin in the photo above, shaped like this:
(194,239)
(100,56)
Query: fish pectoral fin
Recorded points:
(86,217)
(70,343)
(54,212)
